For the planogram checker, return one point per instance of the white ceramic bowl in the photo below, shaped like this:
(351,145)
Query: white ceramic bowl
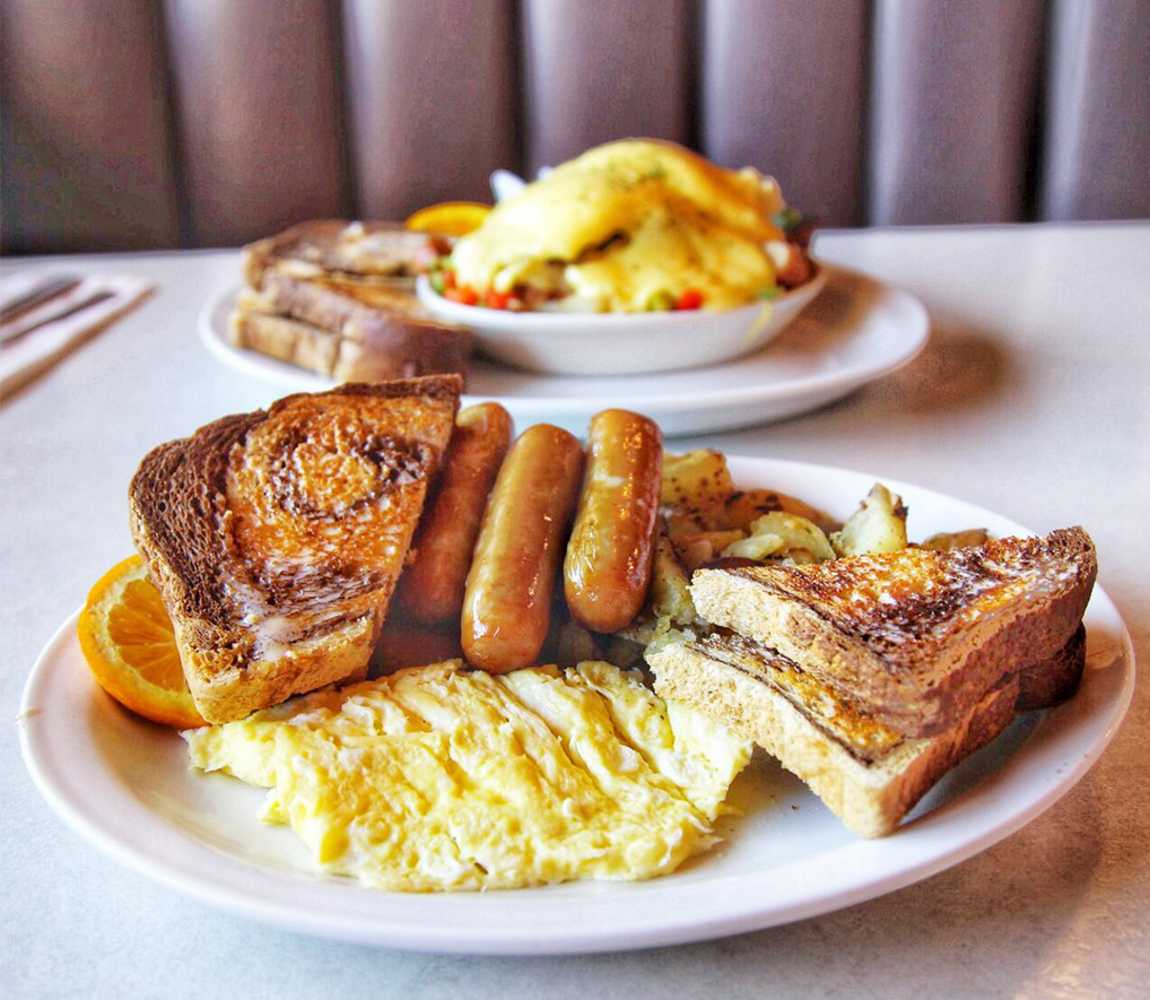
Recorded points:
(622,343)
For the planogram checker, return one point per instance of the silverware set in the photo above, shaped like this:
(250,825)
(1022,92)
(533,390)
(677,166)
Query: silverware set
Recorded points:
(49,301)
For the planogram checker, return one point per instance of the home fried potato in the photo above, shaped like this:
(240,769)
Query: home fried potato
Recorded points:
(669,596)
(946,540)
(744,506)
(879,525)
(783,536)
(698,481)
(695,549)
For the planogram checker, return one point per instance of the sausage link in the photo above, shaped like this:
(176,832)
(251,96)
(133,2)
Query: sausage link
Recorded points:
(608,566)
(431,591)
(507,604)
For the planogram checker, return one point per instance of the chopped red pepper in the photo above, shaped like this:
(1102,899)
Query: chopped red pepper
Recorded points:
(465,296)
(496,300)
(448,278)
(692,298)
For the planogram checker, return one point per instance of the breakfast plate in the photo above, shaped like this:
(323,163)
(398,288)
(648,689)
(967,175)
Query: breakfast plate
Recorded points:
(857,330)
(126,786)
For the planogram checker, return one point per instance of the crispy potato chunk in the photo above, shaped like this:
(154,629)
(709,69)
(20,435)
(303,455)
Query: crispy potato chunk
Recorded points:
(744,506)
(946,540)
(670,597)
(697,480)
(879,525)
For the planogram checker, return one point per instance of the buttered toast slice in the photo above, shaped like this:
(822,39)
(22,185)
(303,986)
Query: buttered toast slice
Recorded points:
(917,636)
(359,344)
(276,537)
(360,251)
(867,774)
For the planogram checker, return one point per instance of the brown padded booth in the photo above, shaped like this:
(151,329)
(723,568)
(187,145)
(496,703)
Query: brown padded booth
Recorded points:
(147,124)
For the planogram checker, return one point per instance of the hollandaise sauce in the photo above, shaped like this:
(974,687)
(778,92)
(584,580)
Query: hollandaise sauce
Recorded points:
(626,227)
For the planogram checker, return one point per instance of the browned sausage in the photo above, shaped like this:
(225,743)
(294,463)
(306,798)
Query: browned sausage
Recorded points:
(608,565)
(507,605)
(431,591)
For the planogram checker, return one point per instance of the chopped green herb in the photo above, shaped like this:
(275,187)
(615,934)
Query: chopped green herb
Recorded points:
(661,301)
(788,219)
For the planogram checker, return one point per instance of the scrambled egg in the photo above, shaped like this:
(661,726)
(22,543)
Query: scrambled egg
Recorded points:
(438,778)
(627,222)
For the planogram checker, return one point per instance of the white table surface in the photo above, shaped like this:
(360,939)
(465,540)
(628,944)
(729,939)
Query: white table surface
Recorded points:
(1033,399)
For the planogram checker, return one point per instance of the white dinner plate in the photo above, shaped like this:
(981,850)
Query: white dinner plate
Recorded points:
(857,330)
(125,785)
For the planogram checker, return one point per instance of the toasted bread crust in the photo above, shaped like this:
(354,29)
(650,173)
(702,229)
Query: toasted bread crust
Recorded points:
(1052,681)
(919,659)
(338,298)
(264,600)
(323,244)
(286,339)
(870,797)
(341,334)
(410,354)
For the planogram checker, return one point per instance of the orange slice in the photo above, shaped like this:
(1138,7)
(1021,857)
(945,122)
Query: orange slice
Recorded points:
(130,647)
(449,218)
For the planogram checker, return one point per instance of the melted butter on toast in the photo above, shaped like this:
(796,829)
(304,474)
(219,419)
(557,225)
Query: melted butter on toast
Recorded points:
(917,593)
(863,736)
(318,508)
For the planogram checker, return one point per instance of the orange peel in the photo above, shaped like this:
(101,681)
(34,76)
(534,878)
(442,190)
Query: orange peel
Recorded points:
(127,638)
(449,218)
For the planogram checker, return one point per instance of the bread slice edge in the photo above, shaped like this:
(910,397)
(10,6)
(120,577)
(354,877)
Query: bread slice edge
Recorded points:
(871,800)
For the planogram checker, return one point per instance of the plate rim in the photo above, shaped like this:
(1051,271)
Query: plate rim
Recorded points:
(916,331)
(742,918)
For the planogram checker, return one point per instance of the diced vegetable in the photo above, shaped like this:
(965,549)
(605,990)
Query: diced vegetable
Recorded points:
(692,298)
(787,219)
(786,535)
(464,296)
(744,506)
(661,301)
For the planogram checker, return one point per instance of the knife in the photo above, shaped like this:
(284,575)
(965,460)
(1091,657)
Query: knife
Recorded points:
(80,306)
(43,292)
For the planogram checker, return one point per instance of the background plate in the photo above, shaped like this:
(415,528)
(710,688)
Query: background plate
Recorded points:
(125,785)
(857,330)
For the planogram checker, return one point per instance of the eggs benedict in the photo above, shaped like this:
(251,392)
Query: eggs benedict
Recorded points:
(630,226)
